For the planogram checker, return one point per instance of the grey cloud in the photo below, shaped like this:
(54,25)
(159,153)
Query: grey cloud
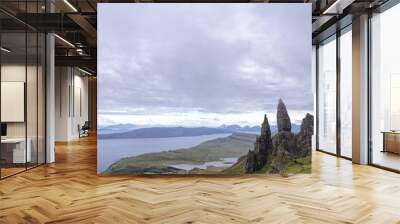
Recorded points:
(192,56)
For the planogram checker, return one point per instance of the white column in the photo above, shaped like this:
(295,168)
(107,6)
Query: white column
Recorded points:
(50,92)
(50,99)
(63,100)
(360,90)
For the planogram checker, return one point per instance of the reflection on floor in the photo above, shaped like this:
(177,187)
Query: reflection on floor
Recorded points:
(70,191)
(10,171)
(386,159)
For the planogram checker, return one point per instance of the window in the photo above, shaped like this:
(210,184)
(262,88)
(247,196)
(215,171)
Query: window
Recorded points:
(346,93)
(327,95)
(385,89)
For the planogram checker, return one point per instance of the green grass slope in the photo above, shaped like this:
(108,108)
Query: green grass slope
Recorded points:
(294,166)
(235,145)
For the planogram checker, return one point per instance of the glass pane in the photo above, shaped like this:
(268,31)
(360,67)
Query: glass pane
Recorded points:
(41,98)
(346,94)
(386,89)
(13,86)
(327,96)
(32,95)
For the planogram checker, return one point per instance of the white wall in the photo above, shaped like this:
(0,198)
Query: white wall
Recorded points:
(12,73)
(62,82)
(80,109)
(71,102)
(33,126)
(17,73)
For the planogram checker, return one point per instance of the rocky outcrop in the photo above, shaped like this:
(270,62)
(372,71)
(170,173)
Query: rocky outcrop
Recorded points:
(304,137)
(282,118)
(280,162)
(251,166)
(276,152)
(262,148)
(284,141)
(263,144)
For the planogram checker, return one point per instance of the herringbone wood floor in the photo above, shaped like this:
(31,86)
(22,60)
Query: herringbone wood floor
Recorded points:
(70,191)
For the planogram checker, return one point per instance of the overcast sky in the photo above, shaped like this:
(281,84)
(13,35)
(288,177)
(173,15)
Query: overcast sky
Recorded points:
(203,64)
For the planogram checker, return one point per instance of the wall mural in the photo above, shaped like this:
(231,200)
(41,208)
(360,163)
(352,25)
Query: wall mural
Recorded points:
(219,89)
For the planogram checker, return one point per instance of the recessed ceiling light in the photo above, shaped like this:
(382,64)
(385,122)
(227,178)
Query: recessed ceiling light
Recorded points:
(64,40)
(337,7)
(5,50)
(84,71)
(70,5)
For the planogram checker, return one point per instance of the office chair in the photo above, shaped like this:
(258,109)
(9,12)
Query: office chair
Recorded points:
(84,130)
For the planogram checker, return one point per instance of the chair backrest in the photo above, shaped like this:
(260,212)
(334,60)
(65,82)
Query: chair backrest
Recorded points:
(86,125)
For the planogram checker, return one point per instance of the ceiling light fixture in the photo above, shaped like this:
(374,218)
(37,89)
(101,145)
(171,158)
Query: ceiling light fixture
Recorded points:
(64,40)
(84,71)
(5,50)
(337,7)
(79,51)
(70,5)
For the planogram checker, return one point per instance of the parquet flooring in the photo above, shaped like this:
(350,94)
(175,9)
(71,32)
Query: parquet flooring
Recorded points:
(69,191)
(10,171)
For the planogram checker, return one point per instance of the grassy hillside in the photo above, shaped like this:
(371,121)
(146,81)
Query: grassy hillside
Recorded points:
(237,168)
(235,145)
(299,165)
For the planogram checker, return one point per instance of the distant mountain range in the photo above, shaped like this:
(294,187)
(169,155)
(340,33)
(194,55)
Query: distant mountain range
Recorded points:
(237,128)
(132,131)
(164,132)
(255,129)
(117,128)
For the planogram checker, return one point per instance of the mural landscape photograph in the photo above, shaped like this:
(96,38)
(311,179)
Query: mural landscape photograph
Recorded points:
(218,89)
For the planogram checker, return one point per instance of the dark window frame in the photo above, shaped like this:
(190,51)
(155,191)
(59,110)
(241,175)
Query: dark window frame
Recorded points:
(332,37)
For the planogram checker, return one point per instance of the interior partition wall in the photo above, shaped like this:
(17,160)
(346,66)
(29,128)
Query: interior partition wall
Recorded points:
(22,89)
(334,94)
(385,89)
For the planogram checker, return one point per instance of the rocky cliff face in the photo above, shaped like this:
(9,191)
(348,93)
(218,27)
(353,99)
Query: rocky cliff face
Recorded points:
(263,144)
(262,147)
(251,164)
(304,137)
(284,141)
(282,118)
(279,150)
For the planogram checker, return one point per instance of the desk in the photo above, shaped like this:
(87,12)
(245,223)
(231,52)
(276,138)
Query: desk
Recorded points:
(14,150)
(391,141)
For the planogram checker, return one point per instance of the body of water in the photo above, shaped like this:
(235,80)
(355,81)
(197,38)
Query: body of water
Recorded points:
(225,162)
(112,150)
